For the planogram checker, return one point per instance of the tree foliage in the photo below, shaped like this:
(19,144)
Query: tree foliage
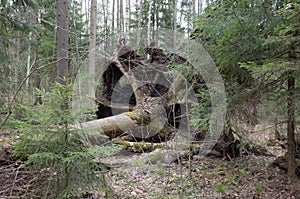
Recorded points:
(49,145)
(256,46)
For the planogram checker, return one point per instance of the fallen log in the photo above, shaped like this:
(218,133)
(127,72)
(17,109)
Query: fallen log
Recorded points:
(143,106)
(133,123)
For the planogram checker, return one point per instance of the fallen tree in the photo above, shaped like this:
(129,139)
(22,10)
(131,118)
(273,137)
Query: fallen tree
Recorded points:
(140,104)
(143,104)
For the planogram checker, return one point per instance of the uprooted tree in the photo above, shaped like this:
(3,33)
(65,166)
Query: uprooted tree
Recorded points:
(135,92)
(143,99)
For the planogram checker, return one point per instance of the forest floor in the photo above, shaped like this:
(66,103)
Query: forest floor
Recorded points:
(248,176)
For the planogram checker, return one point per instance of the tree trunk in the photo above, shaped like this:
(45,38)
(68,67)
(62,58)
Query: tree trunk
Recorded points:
(174,24)
(62,38)
(291,127)
(139,24)
(92,46)
(113,15)
(149,23)
(121,18)
(200,6)
(28,61)
(36,74)
(156,21)
(118,16)
(129,15)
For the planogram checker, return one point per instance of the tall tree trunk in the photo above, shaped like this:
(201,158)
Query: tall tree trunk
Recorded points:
(291,127)
(200,6)
(174,24)
(156,20)
(104,28)
(129,15)
(188,18)
(118,16)
(62,37)
(149,22)
(107,20)
(121,18)
(291,119)
(194,13)
(36,75)
(139,24)
(28,61)
(92,46)
(113,16)
(14,49)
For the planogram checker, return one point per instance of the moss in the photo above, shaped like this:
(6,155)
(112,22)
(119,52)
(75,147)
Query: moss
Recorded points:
(138,117)
(4,142)
(139,147)
(162,155)
(125,144)
(134,115)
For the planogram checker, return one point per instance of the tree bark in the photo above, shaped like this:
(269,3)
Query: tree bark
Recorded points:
(291,127)
(129,15)
(36,74)
(174,24)
(149,22)
(118,16)
(139,24)
(132,123)
(121,19)
(62,38)
(113,15)
(92,46)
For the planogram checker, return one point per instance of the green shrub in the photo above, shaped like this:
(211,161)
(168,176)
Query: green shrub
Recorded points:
(48,144)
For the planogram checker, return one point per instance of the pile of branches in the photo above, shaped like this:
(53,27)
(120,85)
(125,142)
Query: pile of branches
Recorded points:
(16,181)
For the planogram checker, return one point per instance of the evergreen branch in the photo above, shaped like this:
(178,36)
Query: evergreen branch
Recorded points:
(9,112)
(242,26)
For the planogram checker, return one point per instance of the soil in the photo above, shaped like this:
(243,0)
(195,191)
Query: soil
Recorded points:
(245,177)
(248,176)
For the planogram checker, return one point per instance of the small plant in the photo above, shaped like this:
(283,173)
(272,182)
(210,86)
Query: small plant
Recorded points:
(258,188)
(49,145)
(220,188)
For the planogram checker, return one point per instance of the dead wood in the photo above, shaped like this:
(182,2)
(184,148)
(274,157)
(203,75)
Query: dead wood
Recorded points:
(147,98)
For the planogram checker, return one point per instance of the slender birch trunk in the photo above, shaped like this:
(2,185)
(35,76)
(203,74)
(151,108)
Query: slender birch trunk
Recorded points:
(174,24)
(121,18)
(139,24)
(113,15)
(28,61)
(149,23)
(92,46)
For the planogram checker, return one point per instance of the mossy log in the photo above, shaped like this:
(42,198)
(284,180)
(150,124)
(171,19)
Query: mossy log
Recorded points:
(125,123)
(170,152)
(141,147)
